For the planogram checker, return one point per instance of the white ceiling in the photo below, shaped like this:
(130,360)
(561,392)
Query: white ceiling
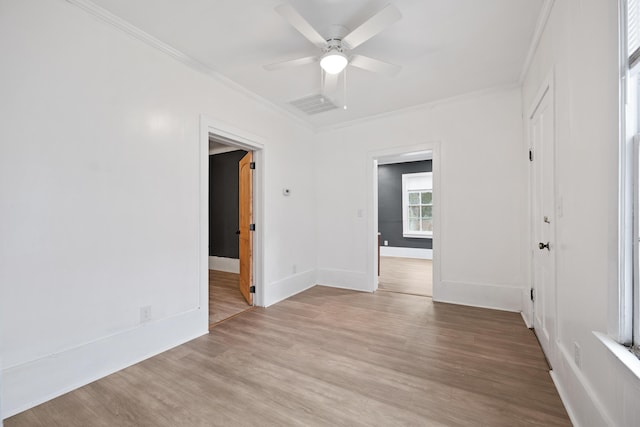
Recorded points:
(445,47)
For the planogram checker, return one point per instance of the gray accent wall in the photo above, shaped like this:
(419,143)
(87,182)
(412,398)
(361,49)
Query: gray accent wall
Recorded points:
(390,204)
(223,204)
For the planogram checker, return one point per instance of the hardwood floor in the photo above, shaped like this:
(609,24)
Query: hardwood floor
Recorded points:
(225,299)
(330,357)
(406,275)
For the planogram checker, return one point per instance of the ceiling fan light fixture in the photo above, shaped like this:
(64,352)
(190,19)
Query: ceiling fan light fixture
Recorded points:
(334,62)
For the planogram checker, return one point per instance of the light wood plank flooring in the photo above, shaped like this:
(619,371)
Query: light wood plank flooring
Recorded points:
(406,275)
(225,299)
(331,357)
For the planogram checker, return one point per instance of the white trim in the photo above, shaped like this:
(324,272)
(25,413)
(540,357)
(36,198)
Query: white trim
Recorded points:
(344,279)
(222,150)
(525,320)
(230,265)
(484,295)
(418,235)
(371,276)
(424,106)
(547,88)
(29,384)
(578,396)
(231,135)
(622,353)
(290,286)
(543,18)
(418,156)
(564,398)
(130,29)
(418,253)
(620,297)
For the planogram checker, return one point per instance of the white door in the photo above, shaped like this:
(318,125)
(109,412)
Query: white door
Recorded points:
(541,126)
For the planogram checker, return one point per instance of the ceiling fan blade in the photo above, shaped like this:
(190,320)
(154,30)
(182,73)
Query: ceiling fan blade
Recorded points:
(292,63)
(374,65)
(302,25)
(330,83)
(374,25)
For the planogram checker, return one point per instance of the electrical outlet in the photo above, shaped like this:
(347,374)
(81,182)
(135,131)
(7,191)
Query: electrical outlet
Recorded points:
(145,314)
(577,356)
(386,243)
(294,269)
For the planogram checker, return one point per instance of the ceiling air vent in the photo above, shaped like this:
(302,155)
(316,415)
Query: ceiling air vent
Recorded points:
(314,104)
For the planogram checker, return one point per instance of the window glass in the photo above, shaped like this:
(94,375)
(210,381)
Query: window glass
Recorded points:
(417,200)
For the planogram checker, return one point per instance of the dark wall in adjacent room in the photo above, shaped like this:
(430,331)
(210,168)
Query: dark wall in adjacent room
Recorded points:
(390,203)
(223,204)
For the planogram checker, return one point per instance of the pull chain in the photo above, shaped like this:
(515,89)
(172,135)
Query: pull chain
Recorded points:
(344,89)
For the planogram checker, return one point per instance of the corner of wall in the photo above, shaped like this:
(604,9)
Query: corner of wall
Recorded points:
(343,279)
(29,384)
(577,395)
(497,297)
(290,286)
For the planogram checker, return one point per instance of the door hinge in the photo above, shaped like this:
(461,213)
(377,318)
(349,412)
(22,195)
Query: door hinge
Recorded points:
(531,155)
(252,289)
(252,227)
(532,295)
(252,165)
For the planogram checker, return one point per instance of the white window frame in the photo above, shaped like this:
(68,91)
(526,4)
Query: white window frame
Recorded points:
(405,205)
(627,330)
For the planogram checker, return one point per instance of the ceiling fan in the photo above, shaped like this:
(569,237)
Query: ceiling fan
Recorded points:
(336,50)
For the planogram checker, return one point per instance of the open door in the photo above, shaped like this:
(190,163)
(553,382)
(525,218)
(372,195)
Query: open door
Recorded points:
(245,225)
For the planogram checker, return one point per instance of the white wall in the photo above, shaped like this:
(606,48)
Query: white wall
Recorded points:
(482,198)
(579,46)
(99,206)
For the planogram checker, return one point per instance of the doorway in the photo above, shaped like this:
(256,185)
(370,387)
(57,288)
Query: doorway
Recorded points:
(543,219)
(229,234)
(237,261)
(404,220)
(405,225)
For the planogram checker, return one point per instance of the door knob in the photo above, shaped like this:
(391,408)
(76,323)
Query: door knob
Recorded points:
(541,246)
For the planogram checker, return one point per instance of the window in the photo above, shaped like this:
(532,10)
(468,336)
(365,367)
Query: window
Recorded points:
(629,295)
(417,205)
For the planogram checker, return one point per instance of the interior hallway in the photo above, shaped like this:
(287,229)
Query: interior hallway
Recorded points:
(225,299)
(331,357)
(406,275)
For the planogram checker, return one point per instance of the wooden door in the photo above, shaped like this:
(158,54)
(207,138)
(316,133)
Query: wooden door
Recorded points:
(544,217)
(245,221)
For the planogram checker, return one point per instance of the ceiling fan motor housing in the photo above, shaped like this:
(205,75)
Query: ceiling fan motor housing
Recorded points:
(334,45)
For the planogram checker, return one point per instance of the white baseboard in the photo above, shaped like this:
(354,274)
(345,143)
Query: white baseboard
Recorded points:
(526,320)
(499,297)
(290,286)
(527,307)
(406,252)
(563,396)
(344,279)
(576,393)
(230,265)
(35,382)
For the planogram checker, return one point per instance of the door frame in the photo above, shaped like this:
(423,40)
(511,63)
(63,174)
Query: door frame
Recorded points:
(372,204)
(546,89)
(242,139)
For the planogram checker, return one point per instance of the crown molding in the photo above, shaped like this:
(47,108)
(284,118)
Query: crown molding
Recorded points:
(543,18)
(425,106)
(130,29)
